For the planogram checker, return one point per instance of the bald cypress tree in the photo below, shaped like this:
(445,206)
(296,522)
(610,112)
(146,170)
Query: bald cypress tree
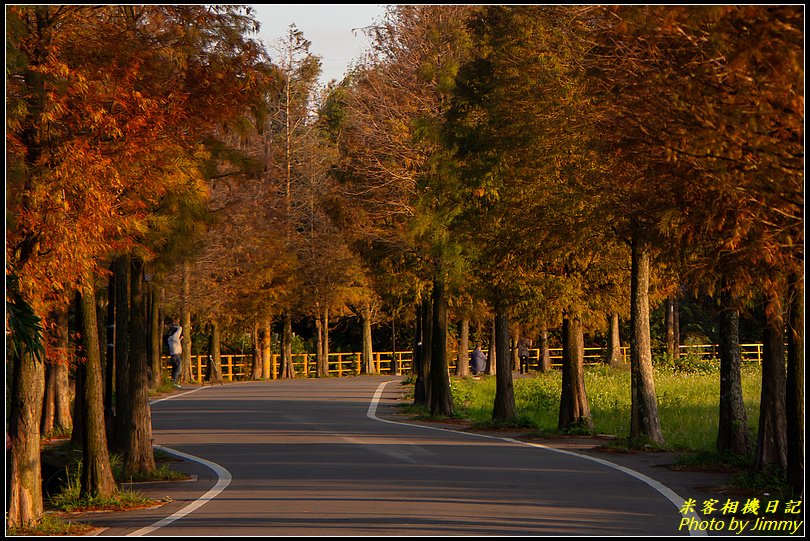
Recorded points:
(96,475)
(732,432)
(504,405)
(794,399)
(138,456)
(575,411)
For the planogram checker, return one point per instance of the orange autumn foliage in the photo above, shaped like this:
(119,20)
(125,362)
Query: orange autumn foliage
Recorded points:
(107,107)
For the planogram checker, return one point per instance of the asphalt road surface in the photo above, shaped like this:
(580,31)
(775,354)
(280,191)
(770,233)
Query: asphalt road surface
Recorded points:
(333,457)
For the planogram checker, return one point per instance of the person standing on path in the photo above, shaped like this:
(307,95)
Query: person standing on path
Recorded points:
(523,353)
(175,341)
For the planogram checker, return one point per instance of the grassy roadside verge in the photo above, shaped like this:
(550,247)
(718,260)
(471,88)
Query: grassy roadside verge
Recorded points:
(61,474)
(688,402)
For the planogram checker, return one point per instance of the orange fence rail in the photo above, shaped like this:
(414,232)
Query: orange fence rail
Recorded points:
(238,366)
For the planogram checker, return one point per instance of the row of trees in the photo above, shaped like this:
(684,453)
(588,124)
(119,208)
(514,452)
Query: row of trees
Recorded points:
(545,167)
(182,175)
(560,164)
(107,153)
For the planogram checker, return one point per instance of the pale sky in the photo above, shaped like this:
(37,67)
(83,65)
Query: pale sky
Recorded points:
(327,26)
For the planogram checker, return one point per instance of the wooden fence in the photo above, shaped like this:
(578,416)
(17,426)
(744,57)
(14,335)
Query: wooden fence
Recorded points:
(238,366)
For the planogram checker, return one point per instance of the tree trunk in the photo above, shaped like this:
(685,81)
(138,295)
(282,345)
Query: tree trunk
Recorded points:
(644,421)
(77,434)
(504,406)
(514,353)
(732,433)
(46,425)
(287,368)
(186,374)
(615,357)
(368,354)
(25,506)
(441,401)
(575,412)
(101,333)
(492,358)
(257,353)
(421,358)
(794,396)
(139,457)
(669,320)
(214,355)
(320,363)
(676,328)
(110,357)
(771,452)
(56,416)
(325,329)
(96,476)
(63,418)
(266,337)
(122,349)
(186,366)
(393,365)
(427,348)
(156,337)
(545,356)
(416,366)
(463,361)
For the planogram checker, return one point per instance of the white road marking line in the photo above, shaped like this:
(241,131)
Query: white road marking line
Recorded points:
(665,491)
(223,480)
(153,402)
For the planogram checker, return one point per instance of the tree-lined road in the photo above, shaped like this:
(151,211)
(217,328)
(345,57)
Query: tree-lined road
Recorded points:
(308,457)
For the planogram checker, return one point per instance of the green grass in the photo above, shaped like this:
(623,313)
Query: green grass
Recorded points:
(161,473)
(52,525)
(69,498)
(165,386)
(688,402)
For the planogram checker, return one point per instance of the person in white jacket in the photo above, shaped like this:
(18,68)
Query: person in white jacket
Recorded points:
(175,352)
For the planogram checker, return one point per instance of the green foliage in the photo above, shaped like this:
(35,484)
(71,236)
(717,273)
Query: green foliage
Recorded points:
(298,344)
(165,386)
(772,482)
(58,433)
(524,171)
(713,460)
(23,327)
(691,363)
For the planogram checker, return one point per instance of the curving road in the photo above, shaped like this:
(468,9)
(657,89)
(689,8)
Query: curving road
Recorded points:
(321,457)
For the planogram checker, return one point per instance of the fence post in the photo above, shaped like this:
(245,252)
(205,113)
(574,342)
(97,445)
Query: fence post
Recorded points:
(199,369)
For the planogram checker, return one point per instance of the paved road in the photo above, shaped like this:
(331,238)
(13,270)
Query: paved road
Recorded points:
(308,457)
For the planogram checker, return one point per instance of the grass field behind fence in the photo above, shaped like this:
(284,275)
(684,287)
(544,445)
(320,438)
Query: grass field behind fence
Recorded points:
(687,402)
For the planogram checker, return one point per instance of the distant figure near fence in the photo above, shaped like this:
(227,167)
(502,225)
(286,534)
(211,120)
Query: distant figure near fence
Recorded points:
(478,360)
(523,352)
